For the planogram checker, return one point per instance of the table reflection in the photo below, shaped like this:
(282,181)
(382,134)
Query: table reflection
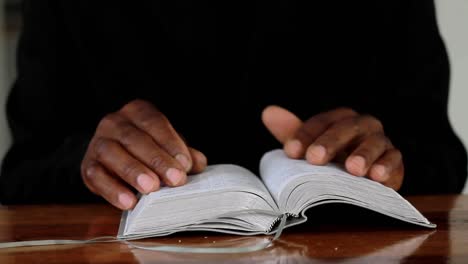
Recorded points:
(285,251)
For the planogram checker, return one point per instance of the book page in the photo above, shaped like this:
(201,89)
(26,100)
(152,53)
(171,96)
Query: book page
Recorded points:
(277,170)
(297,185)
(215,179)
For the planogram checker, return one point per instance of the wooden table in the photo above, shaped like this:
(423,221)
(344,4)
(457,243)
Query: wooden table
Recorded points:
(333,234)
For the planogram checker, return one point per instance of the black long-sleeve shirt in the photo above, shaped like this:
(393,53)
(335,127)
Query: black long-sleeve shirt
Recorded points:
(211,67)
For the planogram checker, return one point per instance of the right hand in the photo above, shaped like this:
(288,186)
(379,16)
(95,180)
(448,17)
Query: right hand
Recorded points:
(136,147)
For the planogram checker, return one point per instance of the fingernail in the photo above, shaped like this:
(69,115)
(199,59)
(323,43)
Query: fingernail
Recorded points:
(358,163)
(380,172)
(316,153)
(125,200)
(146,182)
(293,147)
(184,161)
(174,176)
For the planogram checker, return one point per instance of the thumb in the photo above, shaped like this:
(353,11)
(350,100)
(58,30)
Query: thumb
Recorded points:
(280,122)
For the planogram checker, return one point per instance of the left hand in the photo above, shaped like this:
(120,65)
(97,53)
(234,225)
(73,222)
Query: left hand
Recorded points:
(342,135)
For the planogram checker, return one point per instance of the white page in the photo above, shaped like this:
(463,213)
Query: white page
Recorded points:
(319,183)
(209,208)
(277,170)
(215,179)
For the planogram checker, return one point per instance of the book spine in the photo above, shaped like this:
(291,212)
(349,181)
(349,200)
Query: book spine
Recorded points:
(278,219)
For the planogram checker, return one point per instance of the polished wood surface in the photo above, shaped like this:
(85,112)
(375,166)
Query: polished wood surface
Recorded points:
(334,234)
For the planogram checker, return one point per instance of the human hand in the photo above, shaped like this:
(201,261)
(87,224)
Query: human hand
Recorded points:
(136,147)
(332,135)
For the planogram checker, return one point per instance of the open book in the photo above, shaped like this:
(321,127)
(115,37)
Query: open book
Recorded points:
(230,199)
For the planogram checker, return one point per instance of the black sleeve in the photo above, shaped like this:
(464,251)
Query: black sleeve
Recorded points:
(435,158)
(50,135)
(412,101)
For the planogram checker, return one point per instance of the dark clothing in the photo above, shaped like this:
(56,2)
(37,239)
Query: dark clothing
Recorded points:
(212,68)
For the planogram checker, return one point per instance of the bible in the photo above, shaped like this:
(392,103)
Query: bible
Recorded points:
(230,199)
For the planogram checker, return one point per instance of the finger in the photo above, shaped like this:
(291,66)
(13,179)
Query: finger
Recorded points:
(396,178)
(143,148)
(313,128)
(339,136)
(111,189)
(146,117)
(280,122)
(387,166)
(362,158)
(117,160)
(85,166)
(199,161)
